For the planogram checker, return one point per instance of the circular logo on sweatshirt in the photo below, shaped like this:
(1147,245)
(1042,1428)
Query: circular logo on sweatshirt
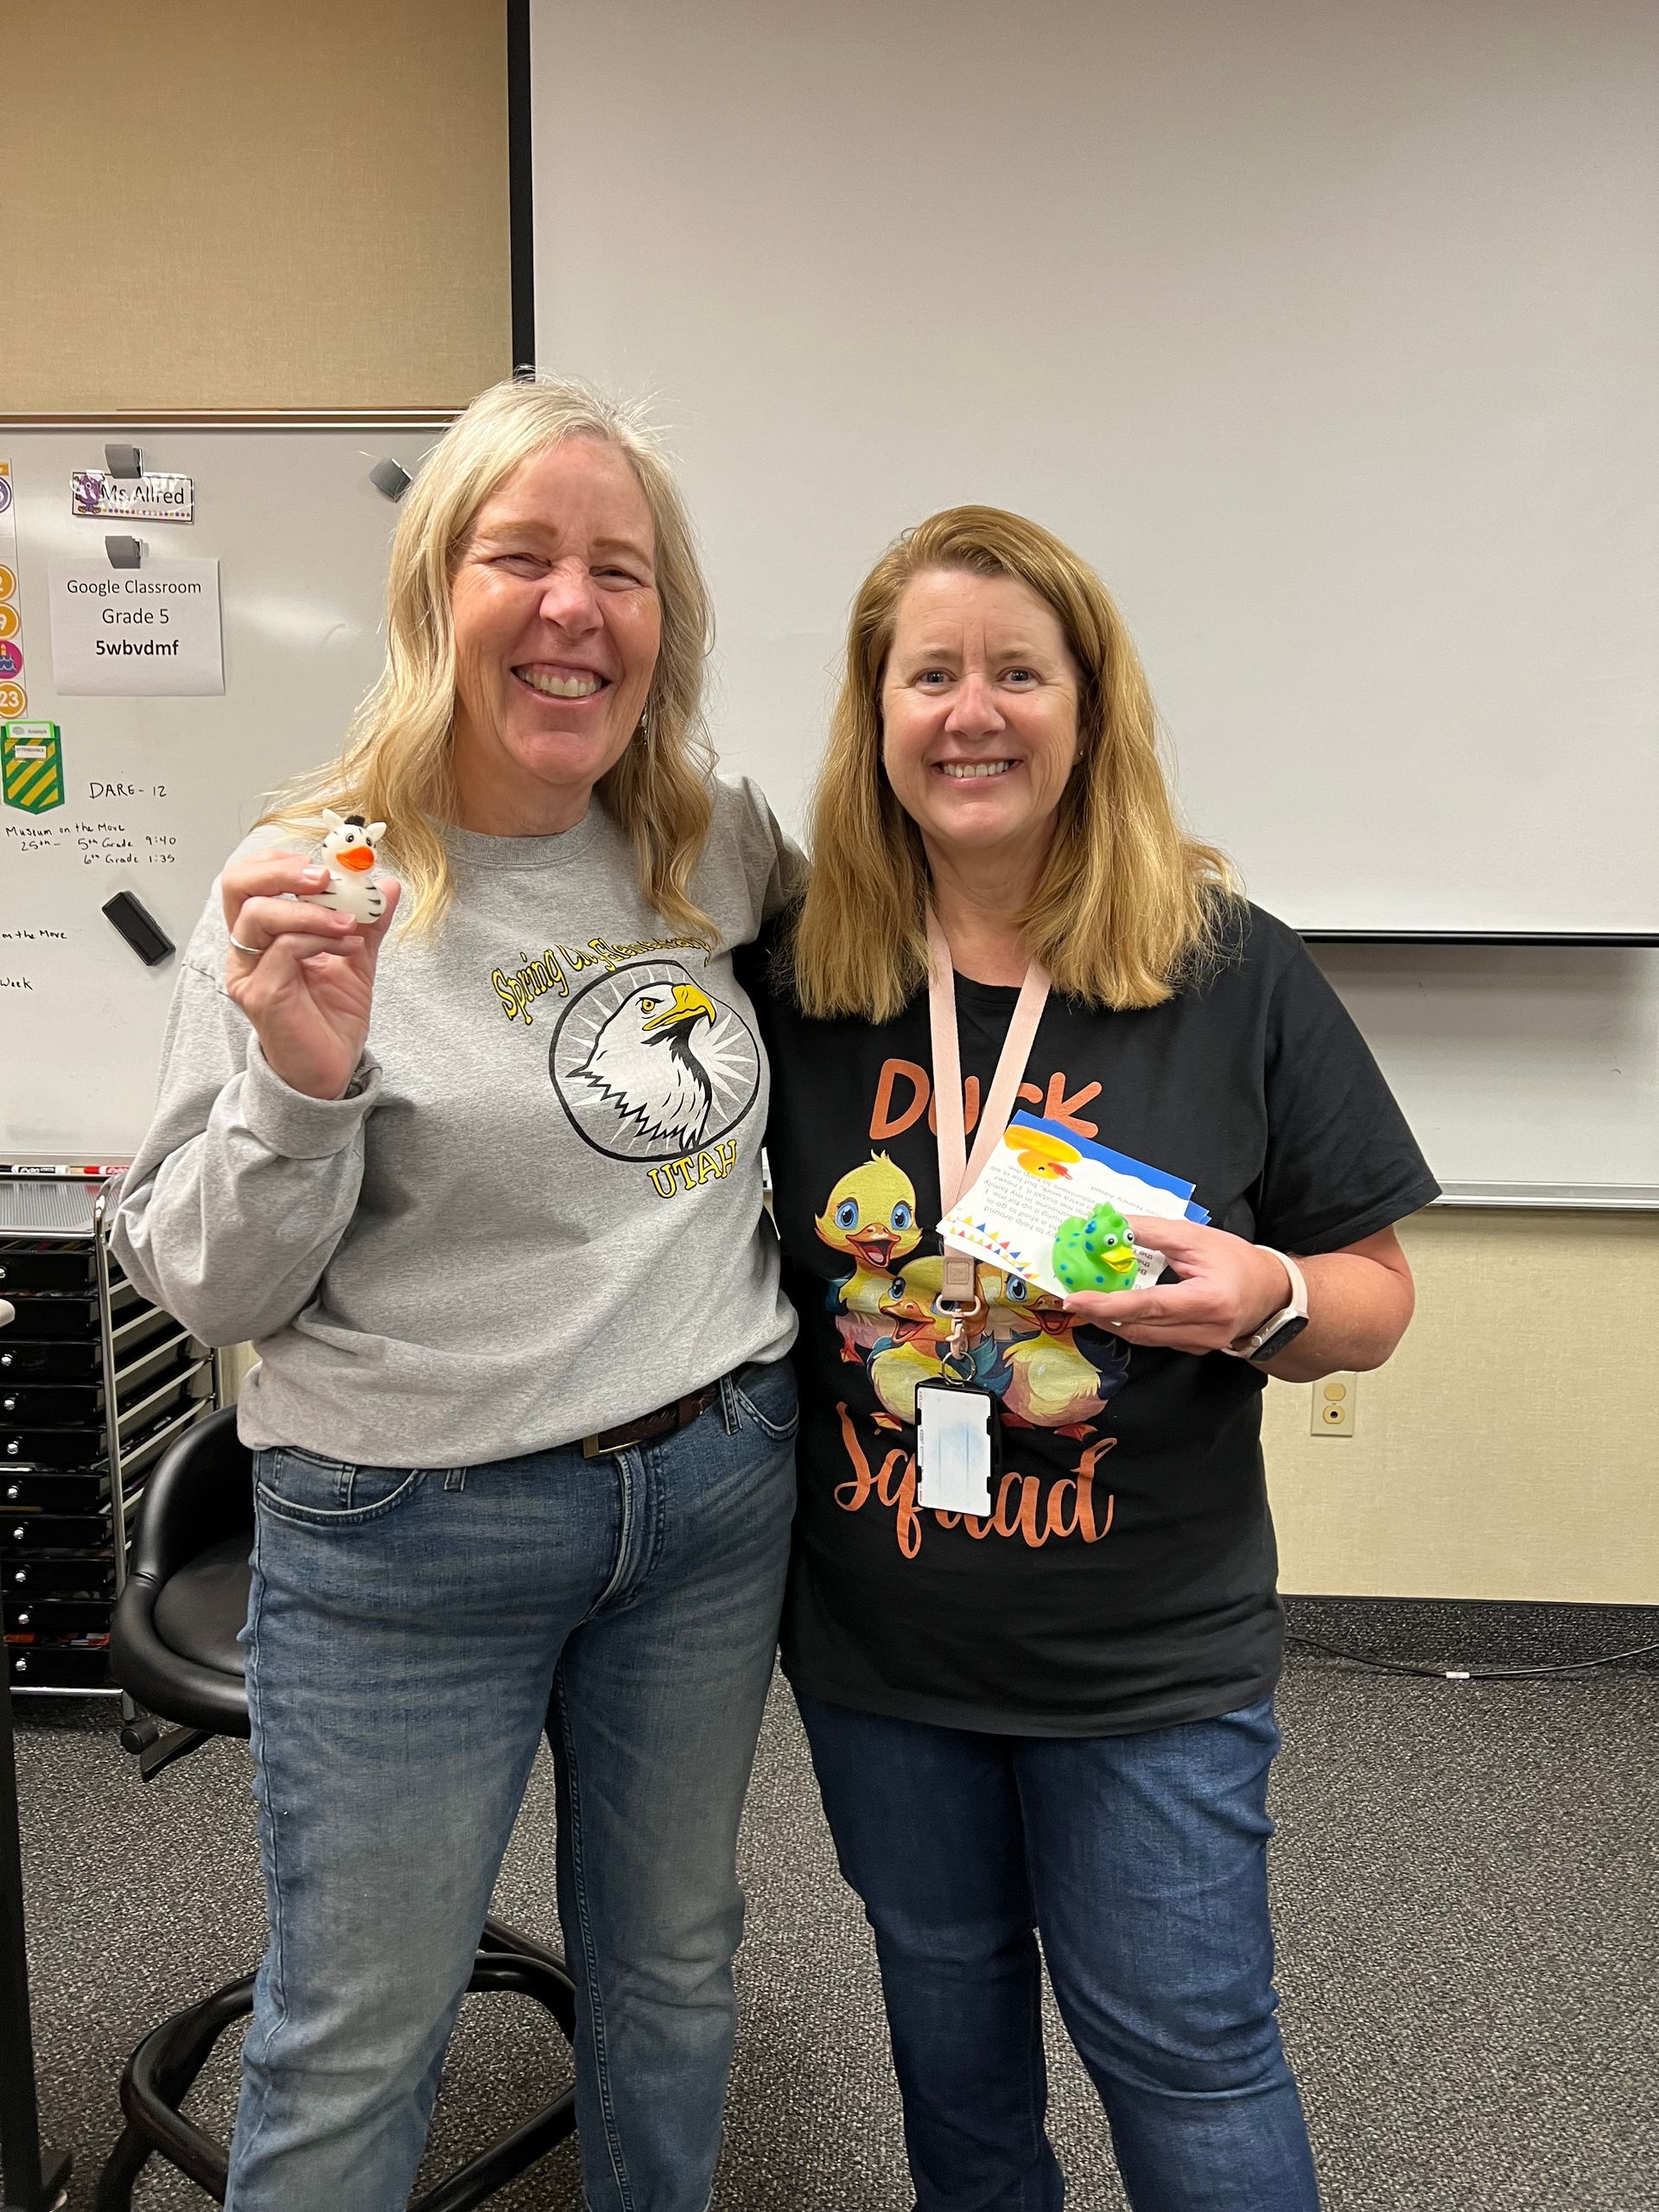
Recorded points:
(649,1066)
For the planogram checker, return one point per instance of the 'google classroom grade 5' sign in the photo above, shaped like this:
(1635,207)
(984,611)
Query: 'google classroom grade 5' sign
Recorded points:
(153,630)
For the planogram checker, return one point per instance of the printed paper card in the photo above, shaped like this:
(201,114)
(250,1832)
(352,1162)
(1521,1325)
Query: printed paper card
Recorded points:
(1049,1206)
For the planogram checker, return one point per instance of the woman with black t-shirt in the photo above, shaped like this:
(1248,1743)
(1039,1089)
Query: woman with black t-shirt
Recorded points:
(1055,1716)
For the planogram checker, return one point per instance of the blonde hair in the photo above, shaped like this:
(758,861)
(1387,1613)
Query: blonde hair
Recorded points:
(1128,906)
(398,765)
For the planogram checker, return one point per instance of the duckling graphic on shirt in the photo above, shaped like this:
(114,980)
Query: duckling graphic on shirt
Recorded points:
(912,1350)
(870,1216)
(1051,1383)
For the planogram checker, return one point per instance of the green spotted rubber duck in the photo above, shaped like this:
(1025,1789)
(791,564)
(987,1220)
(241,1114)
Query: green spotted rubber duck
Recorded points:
(1096,1251)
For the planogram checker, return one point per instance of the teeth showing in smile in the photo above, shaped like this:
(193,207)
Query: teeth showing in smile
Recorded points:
(558,687)
(963,769)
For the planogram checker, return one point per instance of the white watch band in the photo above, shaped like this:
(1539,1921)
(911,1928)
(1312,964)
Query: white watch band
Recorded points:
(1242,1347)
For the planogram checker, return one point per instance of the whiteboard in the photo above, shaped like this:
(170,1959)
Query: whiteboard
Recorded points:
(1328,331)
(159,790)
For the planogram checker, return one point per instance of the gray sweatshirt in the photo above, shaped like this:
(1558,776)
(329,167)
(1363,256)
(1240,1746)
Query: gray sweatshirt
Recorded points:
(537,1212)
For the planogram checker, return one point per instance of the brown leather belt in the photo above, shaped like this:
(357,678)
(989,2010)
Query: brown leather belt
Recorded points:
(663,1422)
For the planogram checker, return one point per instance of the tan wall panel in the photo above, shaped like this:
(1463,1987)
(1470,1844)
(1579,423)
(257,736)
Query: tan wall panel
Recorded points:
(224,203)
(1508,1450)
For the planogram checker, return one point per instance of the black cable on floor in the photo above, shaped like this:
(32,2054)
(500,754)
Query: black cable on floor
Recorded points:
(1381,1666)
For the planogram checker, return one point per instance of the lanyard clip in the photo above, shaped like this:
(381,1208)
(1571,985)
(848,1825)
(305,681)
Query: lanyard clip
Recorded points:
(959,1303)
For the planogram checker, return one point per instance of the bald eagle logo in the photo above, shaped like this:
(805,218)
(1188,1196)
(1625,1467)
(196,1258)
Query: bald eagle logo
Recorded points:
(649,1065)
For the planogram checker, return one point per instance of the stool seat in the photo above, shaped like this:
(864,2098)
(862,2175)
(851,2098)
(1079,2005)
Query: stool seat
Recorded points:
(200,1608)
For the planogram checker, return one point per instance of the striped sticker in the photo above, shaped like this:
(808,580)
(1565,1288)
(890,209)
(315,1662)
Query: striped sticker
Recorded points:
(31,766)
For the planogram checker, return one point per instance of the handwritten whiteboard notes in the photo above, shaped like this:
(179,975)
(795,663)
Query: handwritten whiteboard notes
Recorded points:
(152,631)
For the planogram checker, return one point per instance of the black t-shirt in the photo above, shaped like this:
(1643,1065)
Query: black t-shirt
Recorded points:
(1126,1577)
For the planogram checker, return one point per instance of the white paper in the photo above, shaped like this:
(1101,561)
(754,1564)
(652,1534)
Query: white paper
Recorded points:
(1041,1185)
(953,1451)
(150,631)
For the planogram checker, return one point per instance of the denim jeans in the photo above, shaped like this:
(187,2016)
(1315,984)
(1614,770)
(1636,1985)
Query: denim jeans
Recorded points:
(409,1635)
(1141,1860)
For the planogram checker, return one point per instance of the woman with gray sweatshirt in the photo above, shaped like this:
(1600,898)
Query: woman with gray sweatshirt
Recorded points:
(475,1163)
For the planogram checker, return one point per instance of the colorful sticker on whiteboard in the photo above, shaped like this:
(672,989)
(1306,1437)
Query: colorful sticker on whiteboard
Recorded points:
(31,766)
(14,700)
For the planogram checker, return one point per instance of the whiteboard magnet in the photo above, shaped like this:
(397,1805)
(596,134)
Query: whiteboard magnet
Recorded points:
(123,552)
(391,477)
(123,460)
(139,927)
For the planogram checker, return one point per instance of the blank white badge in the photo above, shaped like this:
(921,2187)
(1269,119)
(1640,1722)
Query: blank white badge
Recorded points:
(953,1450)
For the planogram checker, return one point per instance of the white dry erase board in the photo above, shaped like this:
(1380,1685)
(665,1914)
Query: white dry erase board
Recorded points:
(157,789)
(1328,331)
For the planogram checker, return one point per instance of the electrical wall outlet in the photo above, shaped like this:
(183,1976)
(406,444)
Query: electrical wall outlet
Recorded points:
(1334,1406)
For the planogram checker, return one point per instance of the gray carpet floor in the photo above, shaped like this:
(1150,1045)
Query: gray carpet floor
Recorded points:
(1467,1881)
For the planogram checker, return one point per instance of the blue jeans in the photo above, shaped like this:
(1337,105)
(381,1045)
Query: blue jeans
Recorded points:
(410,1636)
(1142,1861)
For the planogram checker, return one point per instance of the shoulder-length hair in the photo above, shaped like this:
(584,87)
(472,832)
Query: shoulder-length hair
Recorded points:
(1127,907)
(398,763)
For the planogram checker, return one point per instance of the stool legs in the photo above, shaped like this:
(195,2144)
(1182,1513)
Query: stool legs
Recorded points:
(160,2073)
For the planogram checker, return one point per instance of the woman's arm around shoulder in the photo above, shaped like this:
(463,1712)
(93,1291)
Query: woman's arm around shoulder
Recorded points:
(773,865)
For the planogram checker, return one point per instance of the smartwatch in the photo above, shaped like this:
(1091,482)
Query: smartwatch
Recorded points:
(1282,1329)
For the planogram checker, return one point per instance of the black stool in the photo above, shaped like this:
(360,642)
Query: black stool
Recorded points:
(175,1651)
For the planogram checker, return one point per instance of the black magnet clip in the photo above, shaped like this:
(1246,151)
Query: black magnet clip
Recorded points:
(139,927)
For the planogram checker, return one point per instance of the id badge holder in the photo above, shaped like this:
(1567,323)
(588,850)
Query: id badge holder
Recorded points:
(958,1445)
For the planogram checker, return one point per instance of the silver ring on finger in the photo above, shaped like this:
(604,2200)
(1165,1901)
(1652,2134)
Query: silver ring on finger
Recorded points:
(252,951)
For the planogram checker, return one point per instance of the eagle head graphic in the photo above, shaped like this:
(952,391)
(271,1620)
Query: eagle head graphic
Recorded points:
(643,1063)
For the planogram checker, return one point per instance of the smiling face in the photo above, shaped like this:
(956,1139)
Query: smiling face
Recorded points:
(979,711)
(557,625)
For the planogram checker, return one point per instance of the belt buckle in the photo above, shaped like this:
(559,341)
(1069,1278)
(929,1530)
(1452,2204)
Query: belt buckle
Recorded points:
(592,1449)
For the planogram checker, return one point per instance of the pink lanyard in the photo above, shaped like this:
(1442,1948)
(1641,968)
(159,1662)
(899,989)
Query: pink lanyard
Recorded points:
(959,1291)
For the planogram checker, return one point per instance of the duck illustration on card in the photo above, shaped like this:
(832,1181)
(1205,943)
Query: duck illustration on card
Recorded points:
(1050,1206)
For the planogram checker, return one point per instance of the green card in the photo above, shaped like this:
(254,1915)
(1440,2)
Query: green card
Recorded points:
(31,766)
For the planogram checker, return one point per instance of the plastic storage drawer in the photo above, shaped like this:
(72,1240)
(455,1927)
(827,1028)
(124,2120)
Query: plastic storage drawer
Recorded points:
(56,1667)
(53,1532)
(28,1576)
(26,1269)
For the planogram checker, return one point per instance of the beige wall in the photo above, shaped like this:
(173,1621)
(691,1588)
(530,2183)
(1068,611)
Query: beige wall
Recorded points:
(1507,1449)
(253,203)
(226,203)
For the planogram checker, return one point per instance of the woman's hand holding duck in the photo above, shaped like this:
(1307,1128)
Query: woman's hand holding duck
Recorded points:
(303,975)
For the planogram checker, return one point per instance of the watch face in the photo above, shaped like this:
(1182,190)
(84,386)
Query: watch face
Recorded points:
(1285,1334)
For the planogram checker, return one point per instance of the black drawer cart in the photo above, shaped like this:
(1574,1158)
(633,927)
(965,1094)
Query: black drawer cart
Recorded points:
(95,1384)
